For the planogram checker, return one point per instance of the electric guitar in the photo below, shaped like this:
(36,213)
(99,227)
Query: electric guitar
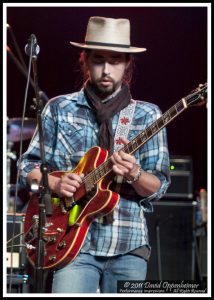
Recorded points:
(65,230)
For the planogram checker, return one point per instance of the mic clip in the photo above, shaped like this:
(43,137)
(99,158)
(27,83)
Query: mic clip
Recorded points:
(32,47)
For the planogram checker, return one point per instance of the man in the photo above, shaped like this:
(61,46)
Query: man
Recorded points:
(103,113)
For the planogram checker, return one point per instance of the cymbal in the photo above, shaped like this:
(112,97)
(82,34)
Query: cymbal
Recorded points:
(14,129)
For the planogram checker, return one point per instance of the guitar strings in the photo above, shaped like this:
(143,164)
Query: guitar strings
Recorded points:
(159,123)
(107,165)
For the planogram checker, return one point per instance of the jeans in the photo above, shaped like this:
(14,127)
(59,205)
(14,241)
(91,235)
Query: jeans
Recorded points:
(87,273)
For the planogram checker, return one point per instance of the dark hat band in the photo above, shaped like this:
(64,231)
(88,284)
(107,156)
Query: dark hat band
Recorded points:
(107,44)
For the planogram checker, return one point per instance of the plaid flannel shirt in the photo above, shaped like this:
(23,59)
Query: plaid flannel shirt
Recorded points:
(71,129)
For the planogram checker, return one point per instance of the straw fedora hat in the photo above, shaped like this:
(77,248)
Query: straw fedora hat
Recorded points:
(108,34)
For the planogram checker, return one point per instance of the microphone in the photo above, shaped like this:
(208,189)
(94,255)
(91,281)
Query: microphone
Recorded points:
(32,46)
(23,69)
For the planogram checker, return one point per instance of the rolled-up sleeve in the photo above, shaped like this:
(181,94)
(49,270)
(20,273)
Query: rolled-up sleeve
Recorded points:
(31,159)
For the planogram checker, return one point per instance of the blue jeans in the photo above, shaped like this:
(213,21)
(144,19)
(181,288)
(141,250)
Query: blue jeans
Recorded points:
(87,273)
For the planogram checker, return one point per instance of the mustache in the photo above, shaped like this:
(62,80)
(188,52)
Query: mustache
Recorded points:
(106,78)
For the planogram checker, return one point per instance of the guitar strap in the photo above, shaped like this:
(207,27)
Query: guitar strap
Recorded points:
(122,130)
(124,122)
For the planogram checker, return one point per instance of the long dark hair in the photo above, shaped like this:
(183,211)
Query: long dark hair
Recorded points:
(127,78)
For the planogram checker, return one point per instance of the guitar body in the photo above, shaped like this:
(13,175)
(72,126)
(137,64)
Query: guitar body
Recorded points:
(65,231)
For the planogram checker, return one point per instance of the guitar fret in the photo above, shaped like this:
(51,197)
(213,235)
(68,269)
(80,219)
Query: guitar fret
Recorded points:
(108,165)
(101,173)
(139,140)
(148,131)
(173,112)
(160,122)
(134,144)
(166,117)
(97,171)
(105,167)
(179,106)
(154,127)
(89,182)
(145,134)
(143,137)
(96,175)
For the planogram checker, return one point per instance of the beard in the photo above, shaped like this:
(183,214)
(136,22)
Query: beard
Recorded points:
(104,91)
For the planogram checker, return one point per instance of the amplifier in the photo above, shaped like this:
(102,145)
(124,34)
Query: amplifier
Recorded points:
(16,257)
(171,230)
(181,178)
(18,281)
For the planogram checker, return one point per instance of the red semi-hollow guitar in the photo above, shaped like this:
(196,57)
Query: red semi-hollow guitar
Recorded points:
(65,230)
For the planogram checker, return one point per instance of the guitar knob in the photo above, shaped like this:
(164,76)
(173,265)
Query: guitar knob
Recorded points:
(52,240)
(62,245)
(36,218)
(52,258)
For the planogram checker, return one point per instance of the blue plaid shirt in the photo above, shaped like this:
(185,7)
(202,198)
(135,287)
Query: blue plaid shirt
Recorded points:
(71,129)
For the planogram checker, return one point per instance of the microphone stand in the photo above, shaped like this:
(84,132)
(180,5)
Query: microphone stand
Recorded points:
(45,205)
(24,71)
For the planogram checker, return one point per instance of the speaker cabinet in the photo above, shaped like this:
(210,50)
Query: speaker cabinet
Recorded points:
(15,227)
(18,280)
(181,178)
(171,231)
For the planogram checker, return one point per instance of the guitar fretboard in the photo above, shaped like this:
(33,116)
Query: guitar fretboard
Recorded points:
(106,167)
(102,170)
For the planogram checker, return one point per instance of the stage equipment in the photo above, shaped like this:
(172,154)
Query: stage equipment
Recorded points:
(14,127)
(17,263)
(172,237)
(181,171)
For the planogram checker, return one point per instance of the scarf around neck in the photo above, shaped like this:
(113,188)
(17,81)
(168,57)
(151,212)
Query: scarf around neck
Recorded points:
(104,111)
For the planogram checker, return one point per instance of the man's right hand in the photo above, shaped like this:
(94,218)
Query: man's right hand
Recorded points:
(65,186)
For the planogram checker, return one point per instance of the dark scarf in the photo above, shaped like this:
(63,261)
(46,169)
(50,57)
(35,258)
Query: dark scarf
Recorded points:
(105,111)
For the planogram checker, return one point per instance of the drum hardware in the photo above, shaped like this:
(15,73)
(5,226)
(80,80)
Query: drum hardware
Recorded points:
(14,126)
(10,156)
(14,134)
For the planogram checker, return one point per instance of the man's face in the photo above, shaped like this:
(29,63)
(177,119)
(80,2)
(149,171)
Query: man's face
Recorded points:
(106,70)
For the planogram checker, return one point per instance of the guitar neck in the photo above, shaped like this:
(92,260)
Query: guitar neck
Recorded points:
(142,138)
(155,127)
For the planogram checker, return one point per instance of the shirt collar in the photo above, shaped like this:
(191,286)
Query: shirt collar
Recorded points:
(81,100)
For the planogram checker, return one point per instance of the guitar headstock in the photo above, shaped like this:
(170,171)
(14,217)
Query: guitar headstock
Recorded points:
(198,96)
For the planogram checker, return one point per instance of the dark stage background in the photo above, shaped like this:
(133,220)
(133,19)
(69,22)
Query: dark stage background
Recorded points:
(173,65)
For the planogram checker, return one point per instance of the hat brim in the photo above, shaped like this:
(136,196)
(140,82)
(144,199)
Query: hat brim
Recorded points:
(116,49)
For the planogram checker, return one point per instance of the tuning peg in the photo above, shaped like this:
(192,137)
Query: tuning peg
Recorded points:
(201,85)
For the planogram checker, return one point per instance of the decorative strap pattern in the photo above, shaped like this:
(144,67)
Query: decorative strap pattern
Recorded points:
(122,130)
(124,122)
